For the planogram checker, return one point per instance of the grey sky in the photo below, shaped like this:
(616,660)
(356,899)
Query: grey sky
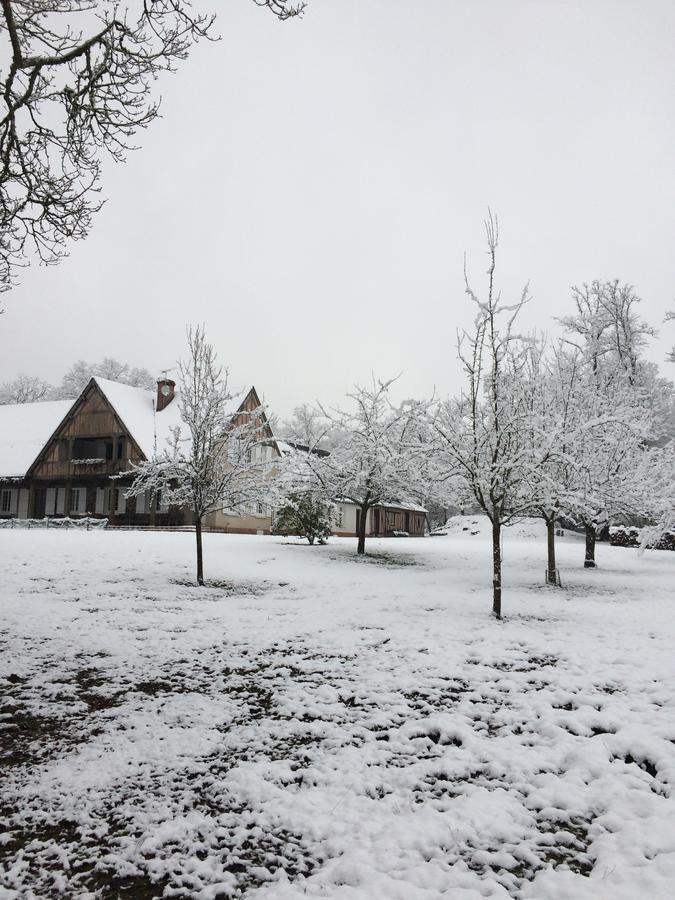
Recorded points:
(313,185)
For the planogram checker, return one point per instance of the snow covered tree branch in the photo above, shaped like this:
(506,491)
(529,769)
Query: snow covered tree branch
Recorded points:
(79,80)
(25,389)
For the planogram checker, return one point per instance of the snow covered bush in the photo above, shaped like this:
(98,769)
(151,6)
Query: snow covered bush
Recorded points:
(630,536)
(306,515)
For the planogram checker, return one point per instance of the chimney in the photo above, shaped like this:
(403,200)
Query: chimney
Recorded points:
(166,388)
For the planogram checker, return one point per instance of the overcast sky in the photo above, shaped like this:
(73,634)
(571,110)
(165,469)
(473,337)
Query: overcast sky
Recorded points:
(313,185)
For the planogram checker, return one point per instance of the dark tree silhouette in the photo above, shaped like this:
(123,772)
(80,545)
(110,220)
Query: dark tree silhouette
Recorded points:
(79,79)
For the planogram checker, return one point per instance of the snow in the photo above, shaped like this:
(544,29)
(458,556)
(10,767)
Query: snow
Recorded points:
(316,725)
(136,408)
(390,504)
(24,430)
(479,526)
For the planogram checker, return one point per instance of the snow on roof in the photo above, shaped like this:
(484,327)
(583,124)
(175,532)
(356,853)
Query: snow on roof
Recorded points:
(26,427)
(151,430)
(24,430)
(390,504)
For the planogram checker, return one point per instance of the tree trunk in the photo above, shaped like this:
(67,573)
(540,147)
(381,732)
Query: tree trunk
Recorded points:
(496,570)
(361,546)
(200,556)
(551,574)
(589,561)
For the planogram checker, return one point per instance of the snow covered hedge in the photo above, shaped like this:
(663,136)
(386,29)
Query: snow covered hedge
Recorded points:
(630,536)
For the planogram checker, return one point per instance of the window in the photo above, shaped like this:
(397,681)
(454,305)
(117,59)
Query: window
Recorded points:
(93,449)
(260,509)
(120,449)
(121,502)
(78,500)
(6,501)
(339,516)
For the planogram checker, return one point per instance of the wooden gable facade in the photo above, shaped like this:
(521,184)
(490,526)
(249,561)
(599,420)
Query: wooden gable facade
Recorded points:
(72,476)
(257,519)
(90,441)
(250,404)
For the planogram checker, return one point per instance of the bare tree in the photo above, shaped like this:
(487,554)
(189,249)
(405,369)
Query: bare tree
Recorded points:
(623,393)
(375,455)
(655,483)
(606,326)
(79,80)
(484,436)
(209,463)
(25,389)
(79,374)
(670,317)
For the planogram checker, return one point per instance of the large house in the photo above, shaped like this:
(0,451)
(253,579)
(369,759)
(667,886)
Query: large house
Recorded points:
(58,458)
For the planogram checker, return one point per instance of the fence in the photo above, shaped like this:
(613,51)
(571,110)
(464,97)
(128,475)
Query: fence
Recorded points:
(86,522)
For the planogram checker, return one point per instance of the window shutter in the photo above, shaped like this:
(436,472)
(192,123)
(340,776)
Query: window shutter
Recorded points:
(50,502)
(22,509)
(100,501)
(141,503)
(60,501)
(121,506)
(13,501)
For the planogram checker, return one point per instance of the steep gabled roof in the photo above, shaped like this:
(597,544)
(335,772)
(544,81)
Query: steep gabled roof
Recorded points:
(135,408)
(152,430)
(24,430)
(27,428)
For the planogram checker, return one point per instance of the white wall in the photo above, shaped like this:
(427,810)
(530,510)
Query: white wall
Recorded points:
(348,525)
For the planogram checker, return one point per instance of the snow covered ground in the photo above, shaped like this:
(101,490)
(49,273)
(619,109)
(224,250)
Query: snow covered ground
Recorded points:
(313,725)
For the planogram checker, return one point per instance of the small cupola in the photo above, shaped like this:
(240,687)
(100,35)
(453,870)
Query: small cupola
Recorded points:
(166,388)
